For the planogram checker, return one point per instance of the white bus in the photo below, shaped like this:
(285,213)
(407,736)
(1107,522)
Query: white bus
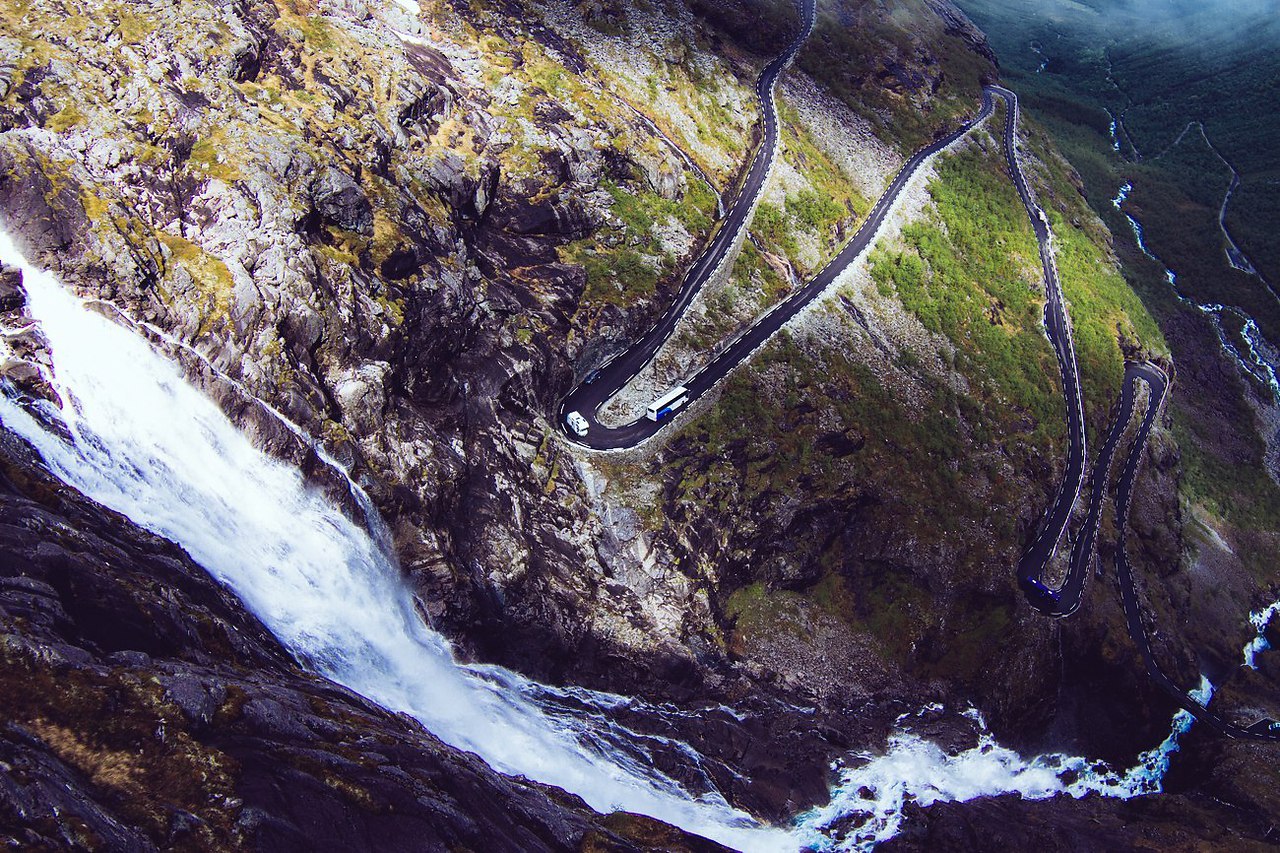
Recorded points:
(665,405)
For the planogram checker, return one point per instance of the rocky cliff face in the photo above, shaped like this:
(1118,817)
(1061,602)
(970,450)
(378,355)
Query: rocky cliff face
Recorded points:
(409,229)
(405,229)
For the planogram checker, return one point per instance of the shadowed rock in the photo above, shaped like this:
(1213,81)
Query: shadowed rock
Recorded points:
(340,202)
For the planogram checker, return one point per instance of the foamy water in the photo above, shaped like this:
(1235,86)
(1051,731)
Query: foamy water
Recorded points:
(1259,644)
(866,808)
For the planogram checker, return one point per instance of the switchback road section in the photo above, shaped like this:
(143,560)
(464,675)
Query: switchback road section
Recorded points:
(582,404)
(1064,600)
(586,400)
(1264,729)
(614,375)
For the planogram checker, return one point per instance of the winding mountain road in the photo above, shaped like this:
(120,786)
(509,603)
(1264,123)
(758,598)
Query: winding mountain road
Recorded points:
(1066,599)
(603,384)
(614,375)
(589,396)
(1264,729)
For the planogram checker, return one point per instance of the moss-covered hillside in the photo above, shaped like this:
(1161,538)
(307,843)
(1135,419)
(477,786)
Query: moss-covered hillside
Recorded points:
(885,460)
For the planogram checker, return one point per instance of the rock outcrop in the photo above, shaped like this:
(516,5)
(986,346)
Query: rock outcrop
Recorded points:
(393,229)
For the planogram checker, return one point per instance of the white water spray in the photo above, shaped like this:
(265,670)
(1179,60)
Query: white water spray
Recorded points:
(1259,644)
(1260,360)
(372,519)
(149,445)
(866,807)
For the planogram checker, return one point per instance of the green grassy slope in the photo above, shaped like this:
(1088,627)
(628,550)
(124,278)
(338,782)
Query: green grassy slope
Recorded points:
(813,415)
(1074,62)
(1216,64)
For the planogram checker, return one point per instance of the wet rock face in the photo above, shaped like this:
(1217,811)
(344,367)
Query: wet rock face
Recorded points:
(337,211)
(144,708)
(1060,825)
(24,358)
(12,296)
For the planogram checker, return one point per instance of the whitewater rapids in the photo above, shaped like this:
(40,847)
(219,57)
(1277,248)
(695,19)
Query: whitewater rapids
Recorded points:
(149,445)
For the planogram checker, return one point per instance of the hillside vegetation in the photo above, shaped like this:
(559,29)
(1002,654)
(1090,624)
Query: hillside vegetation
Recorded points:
(1156,68)
(959,462)
(1161,77)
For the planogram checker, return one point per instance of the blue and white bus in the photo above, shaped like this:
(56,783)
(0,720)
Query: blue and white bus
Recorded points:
(665,405)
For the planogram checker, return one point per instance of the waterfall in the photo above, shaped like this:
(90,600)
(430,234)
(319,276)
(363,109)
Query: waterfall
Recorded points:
(1260,360)
(1260,619)
(149,445)
(916,770)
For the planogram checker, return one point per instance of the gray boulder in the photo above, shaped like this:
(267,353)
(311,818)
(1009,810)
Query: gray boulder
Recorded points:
(339,201)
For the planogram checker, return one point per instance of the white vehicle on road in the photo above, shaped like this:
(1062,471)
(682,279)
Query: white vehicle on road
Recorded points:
(577,423)
(665,405)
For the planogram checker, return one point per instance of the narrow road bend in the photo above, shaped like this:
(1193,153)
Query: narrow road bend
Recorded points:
(614,374)
(1265,729)
(588,397)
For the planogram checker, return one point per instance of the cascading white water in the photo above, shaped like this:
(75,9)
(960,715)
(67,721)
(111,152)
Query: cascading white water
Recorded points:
(1262,361)
(149,445)
(1259,644)
(1122,195)
(917,770)
(381,535)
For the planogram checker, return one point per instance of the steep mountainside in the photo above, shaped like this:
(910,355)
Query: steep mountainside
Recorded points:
(144,709)
(409,230)
(1166,112)
(404,232)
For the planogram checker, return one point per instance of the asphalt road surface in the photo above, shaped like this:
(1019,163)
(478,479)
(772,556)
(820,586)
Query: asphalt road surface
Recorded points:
(1155,378)
(587,398)
(1064,600)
